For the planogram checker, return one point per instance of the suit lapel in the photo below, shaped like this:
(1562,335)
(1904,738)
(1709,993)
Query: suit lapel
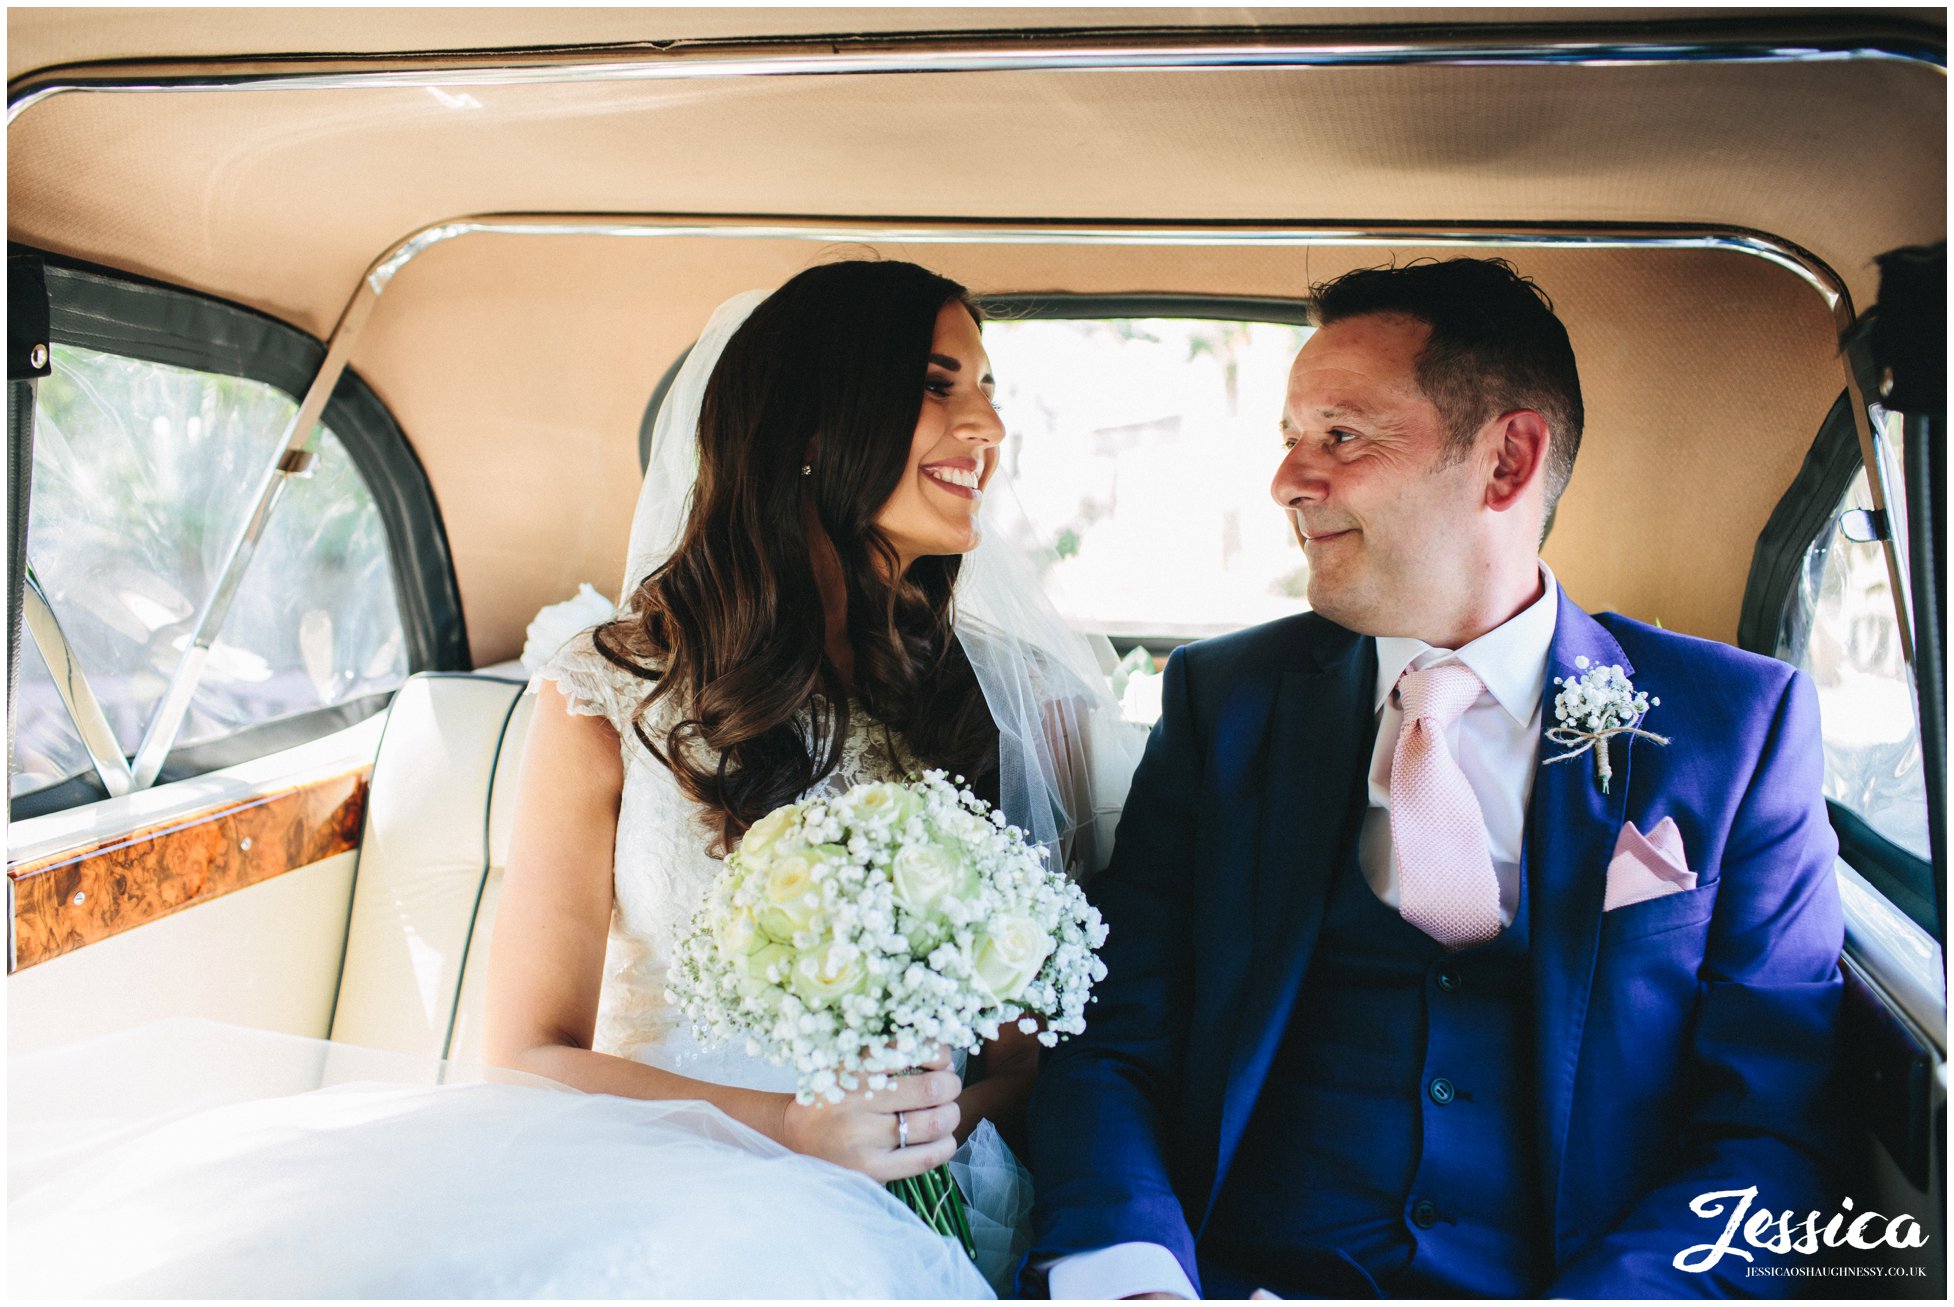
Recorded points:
(1320,742)
(1570,835)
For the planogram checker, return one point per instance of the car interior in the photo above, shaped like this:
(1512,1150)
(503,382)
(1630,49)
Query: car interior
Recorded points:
(335,340)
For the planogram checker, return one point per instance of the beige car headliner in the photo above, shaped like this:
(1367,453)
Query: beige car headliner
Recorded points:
(519,366)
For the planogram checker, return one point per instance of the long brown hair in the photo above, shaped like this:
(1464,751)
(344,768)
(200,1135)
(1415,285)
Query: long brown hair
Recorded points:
(827,372)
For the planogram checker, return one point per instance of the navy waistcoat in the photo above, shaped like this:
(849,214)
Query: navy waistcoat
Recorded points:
(1390,1148)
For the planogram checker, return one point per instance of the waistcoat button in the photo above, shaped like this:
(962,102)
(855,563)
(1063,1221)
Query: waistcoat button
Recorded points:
(1449,980)
(1442,1091)
(1424,1213)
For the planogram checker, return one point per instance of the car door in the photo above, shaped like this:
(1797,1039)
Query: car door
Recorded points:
(206,625)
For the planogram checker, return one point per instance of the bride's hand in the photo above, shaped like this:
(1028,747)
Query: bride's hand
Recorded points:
(862,1132)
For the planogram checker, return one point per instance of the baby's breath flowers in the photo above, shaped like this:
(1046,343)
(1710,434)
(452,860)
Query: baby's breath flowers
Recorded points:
(847,937)
(1593,708)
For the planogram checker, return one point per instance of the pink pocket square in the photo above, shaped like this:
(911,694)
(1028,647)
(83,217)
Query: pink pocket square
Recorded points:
(1647,866)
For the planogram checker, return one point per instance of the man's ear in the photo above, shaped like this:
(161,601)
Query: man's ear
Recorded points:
(1519,457)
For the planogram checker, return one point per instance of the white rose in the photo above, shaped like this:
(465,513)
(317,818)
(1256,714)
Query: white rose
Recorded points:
(790,895)
(822,976)
(968,827)
(926,874)
(737,933)
(772,955)
(761,837)
(885,801)
(1008,956)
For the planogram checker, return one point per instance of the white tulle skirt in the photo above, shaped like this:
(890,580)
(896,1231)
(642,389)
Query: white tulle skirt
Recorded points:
(195,1160)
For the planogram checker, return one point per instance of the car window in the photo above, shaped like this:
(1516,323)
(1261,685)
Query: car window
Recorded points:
(1142,450)
(143,476)
(1843,608)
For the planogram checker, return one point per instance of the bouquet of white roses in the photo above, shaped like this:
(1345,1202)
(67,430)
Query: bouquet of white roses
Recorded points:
(846,937)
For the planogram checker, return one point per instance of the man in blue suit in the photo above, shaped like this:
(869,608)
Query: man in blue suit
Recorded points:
(1400,999)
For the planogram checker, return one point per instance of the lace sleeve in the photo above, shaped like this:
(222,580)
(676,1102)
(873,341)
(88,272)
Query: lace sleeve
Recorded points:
(591,684)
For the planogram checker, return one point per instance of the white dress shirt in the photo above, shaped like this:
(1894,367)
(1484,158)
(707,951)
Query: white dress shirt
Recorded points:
(1497,744)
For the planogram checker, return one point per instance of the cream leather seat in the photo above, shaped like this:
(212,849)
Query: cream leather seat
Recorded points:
(438,820)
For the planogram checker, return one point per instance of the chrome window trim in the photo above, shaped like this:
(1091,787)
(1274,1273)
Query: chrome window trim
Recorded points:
(1882,464)
(71,683)
(381,273)
(1808,267)
(1896,957)
(1585,45)
(291,460)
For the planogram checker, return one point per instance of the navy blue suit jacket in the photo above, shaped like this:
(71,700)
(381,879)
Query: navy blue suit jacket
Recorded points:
(1682,1045)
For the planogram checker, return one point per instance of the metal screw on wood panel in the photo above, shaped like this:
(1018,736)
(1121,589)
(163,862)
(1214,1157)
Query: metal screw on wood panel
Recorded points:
(80,898)
(245,844)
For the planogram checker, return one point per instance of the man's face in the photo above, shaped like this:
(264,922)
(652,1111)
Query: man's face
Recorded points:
(1391,527)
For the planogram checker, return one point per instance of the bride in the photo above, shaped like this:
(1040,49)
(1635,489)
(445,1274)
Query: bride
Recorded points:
(812,605)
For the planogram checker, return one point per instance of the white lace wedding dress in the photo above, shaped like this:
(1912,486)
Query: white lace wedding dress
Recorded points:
(661,873)
(399,1179)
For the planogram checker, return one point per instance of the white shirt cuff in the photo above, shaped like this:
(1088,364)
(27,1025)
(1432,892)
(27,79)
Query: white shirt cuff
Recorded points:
(1118,1272)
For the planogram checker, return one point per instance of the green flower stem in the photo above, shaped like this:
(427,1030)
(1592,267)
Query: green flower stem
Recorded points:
(962,1215)
(938,1203)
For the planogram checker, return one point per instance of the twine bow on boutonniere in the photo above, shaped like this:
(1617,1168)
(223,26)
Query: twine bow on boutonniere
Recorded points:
(1592,709)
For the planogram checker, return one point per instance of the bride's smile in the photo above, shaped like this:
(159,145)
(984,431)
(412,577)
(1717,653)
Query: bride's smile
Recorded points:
(959,474)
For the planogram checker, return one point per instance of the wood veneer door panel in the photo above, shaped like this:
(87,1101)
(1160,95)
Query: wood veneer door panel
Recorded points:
(77,897)
(266,957)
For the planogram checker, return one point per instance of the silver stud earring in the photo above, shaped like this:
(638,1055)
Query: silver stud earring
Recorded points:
(807,469)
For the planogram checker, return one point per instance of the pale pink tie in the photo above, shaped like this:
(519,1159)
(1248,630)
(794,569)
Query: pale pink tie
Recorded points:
(1446,885)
